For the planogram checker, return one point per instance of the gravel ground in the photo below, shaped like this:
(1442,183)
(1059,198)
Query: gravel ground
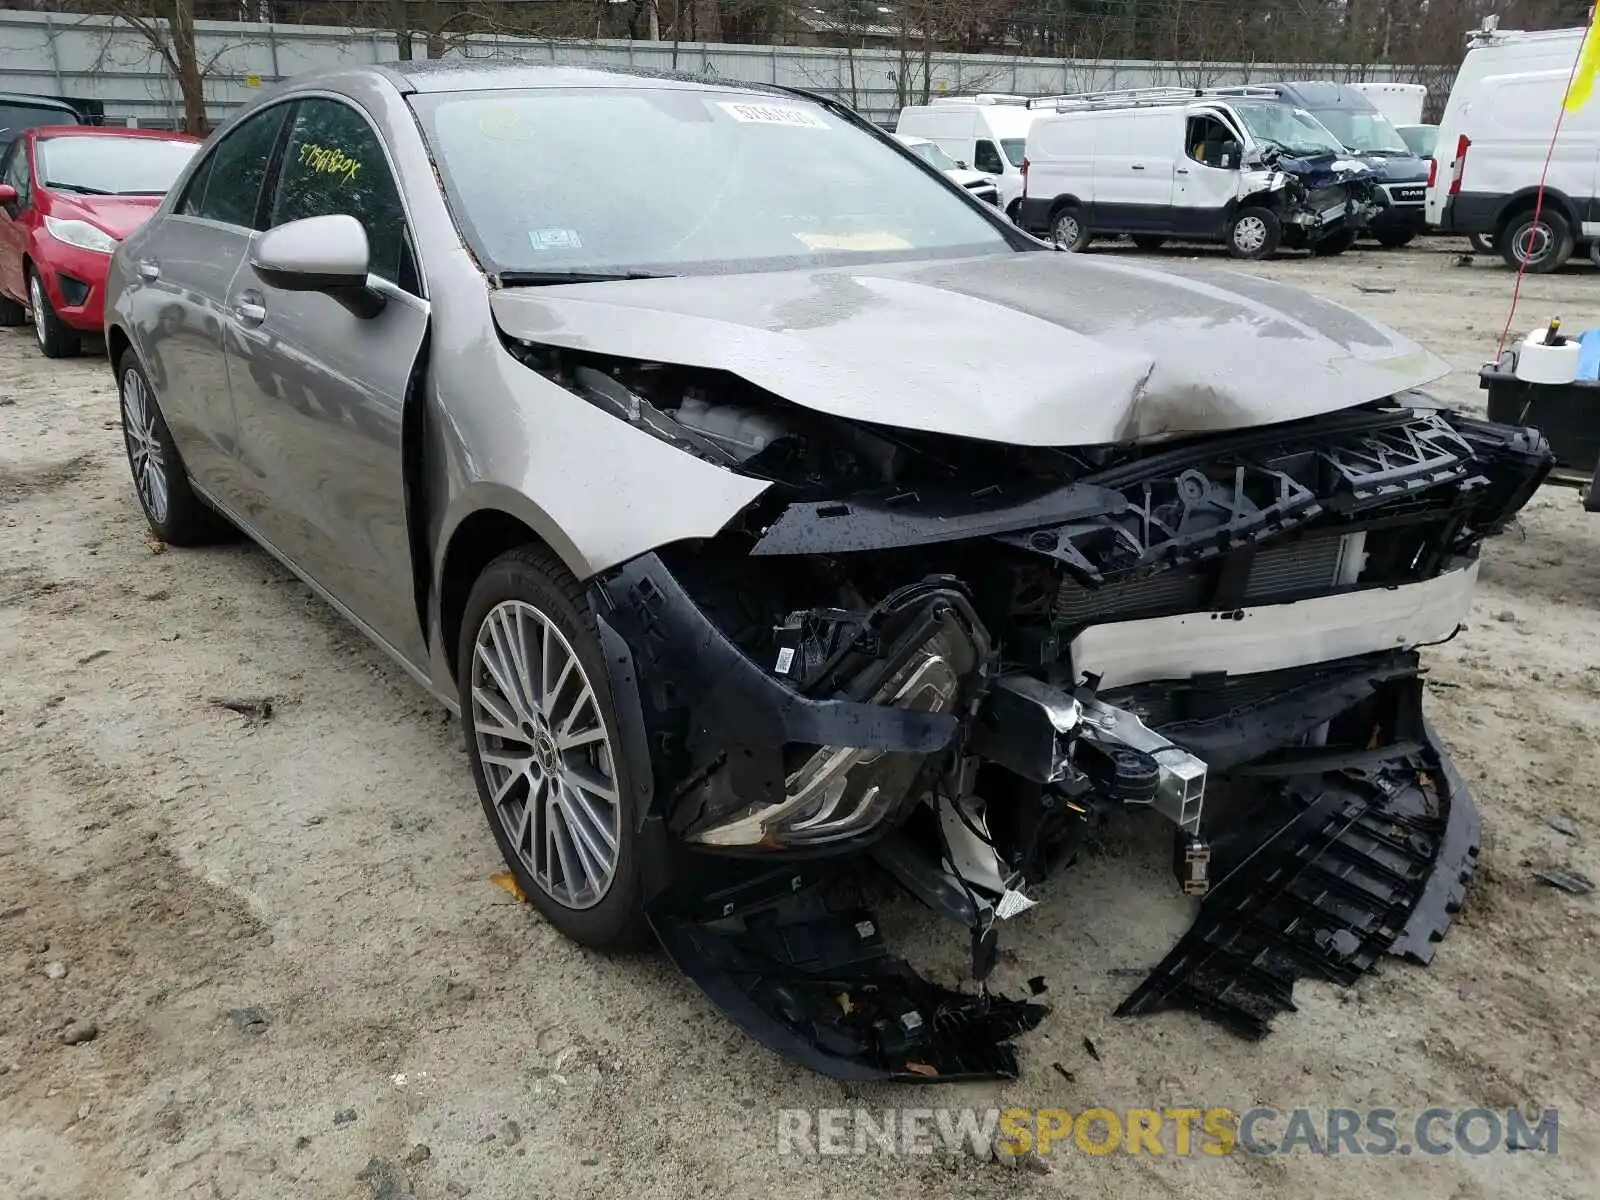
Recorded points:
(301,981)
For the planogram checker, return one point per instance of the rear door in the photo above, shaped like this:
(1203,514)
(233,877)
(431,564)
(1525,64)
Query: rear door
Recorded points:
(320,393)
(1135,153)
(184,263)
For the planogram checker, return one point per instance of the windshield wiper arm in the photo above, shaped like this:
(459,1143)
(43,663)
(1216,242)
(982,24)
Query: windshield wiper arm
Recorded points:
(77,187)
(550,278)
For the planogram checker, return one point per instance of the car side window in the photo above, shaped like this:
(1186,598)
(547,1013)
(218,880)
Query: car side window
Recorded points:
(1207,136)
(986,157)
(334,163)
(227,186)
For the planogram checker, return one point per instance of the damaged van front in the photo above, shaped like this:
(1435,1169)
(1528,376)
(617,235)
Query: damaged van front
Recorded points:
(956,631)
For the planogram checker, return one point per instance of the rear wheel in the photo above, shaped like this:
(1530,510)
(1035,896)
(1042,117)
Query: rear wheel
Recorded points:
(541,731)
(1148,241)
(1068,231)
(176,515)
(1483,243)
(1254,233)
(1393,239)
(1538,247)
(12,314)
(56,339)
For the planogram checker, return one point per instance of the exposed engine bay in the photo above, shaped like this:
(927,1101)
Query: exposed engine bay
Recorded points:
(946,661)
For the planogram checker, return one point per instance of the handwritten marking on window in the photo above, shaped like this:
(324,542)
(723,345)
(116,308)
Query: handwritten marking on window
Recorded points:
(327,161)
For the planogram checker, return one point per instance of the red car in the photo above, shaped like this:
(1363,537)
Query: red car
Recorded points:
(68,195)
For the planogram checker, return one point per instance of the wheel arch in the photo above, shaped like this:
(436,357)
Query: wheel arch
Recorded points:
(494,520)
(1064,201)
(118,343)
(1526,200)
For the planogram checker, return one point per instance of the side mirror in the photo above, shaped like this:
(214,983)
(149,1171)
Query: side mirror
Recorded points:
(8,194)
(319,254)
(1231,152)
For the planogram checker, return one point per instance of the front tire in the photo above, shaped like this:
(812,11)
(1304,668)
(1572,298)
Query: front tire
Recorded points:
(1068,231)
(56,339)
(1483,243)
(542,733)
(12,313)
(1394,239)
(1254,233)
(1337,244)
(1537,247)
(176,515)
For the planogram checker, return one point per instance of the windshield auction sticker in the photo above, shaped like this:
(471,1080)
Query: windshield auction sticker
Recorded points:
(773,114)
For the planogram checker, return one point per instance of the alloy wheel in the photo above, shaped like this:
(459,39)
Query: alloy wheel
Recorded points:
(1066,232)
(144,445)
(36,299)
(546,754)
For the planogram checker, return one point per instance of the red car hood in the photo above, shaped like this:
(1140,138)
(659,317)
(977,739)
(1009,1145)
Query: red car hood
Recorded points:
(117,215)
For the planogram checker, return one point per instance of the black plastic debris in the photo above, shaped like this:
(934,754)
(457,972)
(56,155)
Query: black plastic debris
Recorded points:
(1567,881)
(1373,859)
(817,985)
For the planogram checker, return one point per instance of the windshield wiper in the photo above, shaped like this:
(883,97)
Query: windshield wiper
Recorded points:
(550,278)
(77,187)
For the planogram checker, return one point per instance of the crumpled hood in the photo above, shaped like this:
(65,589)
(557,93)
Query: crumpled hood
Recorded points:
(1040,348)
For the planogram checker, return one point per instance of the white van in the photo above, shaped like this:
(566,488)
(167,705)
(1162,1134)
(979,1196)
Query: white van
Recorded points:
(1159,163)
(976,182)
(987,132)
(1401,102)
(1492,143)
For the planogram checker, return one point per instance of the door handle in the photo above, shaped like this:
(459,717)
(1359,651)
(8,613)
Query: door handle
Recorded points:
(1182,171)
(249,309)
(149,270)
(1137,167)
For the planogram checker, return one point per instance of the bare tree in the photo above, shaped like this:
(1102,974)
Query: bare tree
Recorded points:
(167,26)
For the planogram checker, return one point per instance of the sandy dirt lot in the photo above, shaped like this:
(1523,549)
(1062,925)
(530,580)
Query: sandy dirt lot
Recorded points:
(304,984)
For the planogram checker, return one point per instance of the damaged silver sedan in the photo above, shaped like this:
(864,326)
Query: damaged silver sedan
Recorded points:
(775,514)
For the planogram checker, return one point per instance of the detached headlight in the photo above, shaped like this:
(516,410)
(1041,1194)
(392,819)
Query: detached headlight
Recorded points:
(80,234)
(839,792)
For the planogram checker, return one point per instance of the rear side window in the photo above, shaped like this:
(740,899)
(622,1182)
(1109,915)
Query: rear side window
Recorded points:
(334,163)
(227,187)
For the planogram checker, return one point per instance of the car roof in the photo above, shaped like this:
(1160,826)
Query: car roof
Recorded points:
(40,133)
(464,75)
(37,101)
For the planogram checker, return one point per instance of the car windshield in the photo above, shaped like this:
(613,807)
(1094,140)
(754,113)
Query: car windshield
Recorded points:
(688,181)
(1364,132)
(1420,138)
(933,156)
(1016,149)
(112,166)
(1284,127)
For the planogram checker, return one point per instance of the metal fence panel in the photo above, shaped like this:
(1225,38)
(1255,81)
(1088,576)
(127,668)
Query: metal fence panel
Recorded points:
(101,58)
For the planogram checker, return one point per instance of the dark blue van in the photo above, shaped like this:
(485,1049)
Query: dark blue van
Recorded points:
(1370,137)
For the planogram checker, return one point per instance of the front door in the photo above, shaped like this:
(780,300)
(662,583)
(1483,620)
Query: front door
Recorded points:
(1207,176)
(320,393)
(13,233)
